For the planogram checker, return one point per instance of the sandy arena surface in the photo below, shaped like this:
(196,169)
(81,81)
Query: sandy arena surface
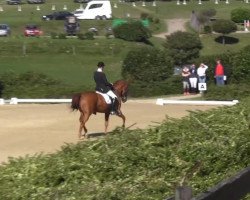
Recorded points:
(34,128)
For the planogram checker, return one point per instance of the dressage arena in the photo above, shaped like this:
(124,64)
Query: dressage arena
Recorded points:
(35,128)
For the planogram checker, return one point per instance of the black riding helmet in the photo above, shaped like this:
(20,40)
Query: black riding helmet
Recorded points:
(100,64)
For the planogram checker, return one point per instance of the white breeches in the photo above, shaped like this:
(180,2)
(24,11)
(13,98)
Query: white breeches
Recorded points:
(111,94)
(193,82)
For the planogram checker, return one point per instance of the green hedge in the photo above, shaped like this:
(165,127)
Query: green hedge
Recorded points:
(33,85)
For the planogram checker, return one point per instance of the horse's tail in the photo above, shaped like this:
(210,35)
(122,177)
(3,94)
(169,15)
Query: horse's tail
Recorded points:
(75,101)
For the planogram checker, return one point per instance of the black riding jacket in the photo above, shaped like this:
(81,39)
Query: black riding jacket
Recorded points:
(102,84)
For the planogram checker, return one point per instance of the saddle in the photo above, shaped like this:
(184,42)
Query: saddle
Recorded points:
(106,97)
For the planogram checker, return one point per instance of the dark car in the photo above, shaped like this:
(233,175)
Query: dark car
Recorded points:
(35,1)
(32,30)
(82,1)
(60,15)
(13,2)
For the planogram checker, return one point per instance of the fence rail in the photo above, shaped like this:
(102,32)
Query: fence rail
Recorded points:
(194,102)
(15,101)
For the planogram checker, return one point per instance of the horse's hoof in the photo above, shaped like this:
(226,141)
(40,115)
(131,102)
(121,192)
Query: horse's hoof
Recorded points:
(82,138)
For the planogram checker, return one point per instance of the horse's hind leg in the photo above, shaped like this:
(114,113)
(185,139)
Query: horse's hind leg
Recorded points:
(106,122)
(83,119)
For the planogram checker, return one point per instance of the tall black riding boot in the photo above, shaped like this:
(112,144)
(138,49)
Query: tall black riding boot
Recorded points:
(112,110)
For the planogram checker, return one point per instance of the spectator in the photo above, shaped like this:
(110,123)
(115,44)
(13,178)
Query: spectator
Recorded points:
(185,80)
(193,79)
(219,73)
(201,71)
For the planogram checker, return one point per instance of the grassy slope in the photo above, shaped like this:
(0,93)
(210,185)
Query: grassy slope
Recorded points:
(77,69)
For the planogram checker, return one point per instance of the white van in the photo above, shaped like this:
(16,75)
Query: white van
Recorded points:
(97,9)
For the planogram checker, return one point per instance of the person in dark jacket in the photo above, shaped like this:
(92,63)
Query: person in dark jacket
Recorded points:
(103,86)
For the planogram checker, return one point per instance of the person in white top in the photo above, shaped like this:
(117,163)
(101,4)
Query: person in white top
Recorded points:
(201,71)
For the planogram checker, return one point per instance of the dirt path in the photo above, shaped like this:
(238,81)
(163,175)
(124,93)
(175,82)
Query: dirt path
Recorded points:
(33,128)
(173,25)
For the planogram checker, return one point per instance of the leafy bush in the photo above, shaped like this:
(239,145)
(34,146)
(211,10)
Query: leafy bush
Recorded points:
(203,148)
(147,64)
(89,35)
(62,36)
(224,27)
(227,92)
(183,47)
(132,31)
(32,85)
(207,29)
(241,66)
(173,85)
(53,35)
(238,15)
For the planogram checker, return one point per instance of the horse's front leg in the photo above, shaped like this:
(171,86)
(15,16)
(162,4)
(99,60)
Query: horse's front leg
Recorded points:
(123,118)
(106,122)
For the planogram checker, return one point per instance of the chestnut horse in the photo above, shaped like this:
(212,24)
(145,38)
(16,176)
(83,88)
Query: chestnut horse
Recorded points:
(91,102)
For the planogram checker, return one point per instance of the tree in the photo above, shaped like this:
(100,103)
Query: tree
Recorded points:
(183,47)
(224,27)
(238,15)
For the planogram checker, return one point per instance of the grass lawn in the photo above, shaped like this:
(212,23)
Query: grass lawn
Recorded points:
(70,60)
(74,60)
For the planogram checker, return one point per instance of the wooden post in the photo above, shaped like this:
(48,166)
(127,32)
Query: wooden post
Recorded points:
(183,193)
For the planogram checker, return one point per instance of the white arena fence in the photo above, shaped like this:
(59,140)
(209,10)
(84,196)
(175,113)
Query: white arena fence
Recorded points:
(162,102)
(15,101)
(194,102)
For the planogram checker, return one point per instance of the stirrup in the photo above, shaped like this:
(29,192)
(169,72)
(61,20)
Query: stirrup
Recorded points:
(112,112)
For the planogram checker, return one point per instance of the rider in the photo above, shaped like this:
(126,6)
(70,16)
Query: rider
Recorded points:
(103,86)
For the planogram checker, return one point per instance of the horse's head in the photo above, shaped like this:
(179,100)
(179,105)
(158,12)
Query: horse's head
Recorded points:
(121,88)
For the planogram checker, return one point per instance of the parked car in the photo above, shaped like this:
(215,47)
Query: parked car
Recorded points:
(82,1)
(14,2)
(35,1)
(59,15)
(78,12)
(32,30)
(4,30)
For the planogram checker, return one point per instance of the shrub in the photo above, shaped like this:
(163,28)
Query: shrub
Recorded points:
(173,85)
(183,47)
(238,15)
(147,64)
(224,27)
(80,36)
(132,31)
(62,36)
(89,35)
(53,35)
(227,92)
(32,85)
(241,66)
(207,29)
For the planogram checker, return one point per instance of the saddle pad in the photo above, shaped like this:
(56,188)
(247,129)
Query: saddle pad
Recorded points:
(105,96)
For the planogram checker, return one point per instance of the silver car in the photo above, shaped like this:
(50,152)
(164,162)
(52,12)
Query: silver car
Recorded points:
(4,30)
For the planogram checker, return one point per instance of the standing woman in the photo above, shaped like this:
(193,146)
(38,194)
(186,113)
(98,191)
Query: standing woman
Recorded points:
(185,80)
(193,79)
